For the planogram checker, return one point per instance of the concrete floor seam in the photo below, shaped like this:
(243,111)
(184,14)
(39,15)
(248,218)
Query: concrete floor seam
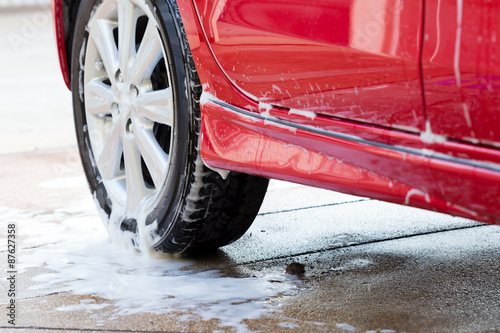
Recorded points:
(346,246)
(313,207)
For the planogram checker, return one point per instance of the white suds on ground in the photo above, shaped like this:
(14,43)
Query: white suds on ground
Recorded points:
(78,257)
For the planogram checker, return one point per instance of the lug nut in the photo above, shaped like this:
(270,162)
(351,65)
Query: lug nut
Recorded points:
(134,91)
(119,77)
(115,109)
(99,65)
(129,129)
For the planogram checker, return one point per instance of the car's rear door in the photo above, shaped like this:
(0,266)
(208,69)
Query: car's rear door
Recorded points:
(461,66)
(353,59)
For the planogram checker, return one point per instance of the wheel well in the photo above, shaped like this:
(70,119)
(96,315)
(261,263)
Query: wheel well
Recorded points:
(70,15)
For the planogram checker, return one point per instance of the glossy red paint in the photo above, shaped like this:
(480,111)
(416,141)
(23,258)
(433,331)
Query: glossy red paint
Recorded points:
(461,66)
(353,59)
(259,146)
(57,15)
(266,148)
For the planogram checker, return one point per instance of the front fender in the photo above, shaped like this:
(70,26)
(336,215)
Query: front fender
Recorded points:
(58,17)
(65,14)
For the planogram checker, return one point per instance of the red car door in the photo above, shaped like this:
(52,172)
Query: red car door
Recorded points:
(353,59)
(461,66)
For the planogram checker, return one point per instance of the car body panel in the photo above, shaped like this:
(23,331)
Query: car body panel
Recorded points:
(57,15)
(461,67)
(339,160)
(354,59)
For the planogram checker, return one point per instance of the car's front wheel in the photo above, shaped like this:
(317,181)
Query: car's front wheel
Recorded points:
(137,115)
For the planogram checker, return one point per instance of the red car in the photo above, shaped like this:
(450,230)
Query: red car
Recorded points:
(184,109)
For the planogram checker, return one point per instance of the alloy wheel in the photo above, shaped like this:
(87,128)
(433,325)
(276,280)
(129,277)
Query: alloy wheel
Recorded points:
(128,103)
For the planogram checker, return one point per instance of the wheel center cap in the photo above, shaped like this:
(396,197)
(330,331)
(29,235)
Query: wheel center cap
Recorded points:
(126,103)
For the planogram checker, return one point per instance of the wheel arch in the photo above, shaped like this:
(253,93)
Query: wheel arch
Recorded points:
(64,14)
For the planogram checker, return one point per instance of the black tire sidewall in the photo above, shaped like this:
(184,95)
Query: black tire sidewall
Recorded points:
(185,138)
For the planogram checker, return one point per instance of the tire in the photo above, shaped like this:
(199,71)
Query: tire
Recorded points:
(137,118)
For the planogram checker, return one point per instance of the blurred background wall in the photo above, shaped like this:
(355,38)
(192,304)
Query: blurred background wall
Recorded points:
(35,105)
(22,3)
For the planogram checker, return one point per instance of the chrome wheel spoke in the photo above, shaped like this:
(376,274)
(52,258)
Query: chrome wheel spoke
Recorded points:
(156,106)
(128,14)
(148,55)
(133,174)
(102,35)
(108,161)
(99,98)
(155,158)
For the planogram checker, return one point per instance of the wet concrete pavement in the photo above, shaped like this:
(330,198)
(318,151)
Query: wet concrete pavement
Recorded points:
(369,266)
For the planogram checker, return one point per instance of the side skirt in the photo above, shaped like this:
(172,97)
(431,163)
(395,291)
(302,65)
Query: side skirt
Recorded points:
(448,177)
